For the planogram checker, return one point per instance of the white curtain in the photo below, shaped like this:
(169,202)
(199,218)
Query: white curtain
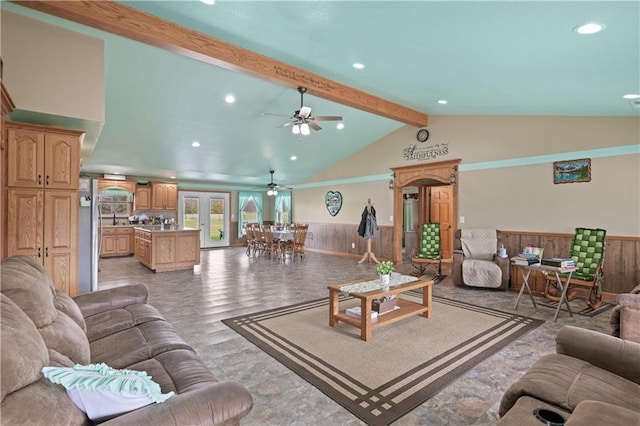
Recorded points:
(283,199)
(243,200)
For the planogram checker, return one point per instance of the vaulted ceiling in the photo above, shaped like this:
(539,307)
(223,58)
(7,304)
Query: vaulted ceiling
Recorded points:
(483,58)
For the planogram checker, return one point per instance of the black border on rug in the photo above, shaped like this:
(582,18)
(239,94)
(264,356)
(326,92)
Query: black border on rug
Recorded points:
(239,323)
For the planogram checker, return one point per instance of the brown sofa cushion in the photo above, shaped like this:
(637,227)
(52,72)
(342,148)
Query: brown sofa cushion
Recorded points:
(65,304)
(23,351)
(66,337)
(565,381)
(41,403)
(26,282)
(136,344)
(109,322)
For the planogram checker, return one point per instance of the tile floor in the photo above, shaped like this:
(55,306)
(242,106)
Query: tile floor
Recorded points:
(228,283)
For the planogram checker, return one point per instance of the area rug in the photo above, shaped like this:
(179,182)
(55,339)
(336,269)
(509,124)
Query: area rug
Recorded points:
(402,366)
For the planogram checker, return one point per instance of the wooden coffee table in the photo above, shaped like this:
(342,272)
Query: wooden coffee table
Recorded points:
(365,323)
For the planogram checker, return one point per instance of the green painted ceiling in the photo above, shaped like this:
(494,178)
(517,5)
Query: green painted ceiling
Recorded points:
(484,57)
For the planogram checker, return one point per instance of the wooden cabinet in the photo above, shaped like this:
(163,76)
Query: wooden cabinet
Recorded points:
(125,185)
(43,224)
(43,167)
(117,242)
(39,157)
(167,250)
(164,196)
(143,198)
(6,106)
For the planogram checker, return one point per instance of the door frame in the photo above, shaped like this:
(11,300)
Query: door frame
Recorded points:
(204,197)
(443,171)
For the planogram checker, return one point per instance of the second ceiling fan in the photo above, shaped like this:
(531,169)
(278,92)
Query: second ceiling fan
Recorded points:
(302,120)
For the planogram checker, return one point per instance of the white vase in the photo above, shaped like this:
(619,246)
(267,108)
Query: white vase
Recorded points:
(384,280)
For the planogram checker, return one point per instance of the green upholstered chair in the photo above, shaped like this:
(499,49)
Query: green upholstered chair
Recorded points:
(430,251)
(587,251)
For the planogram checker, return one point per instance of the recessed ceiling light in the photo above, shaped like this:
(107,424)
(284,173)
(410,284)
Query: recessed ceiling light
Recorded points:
(230,99)
(358,66)
(208,1)
(195,144)
(631,96)
(293,158)
(172,177)
(340,126)
(590,28)
(443,101)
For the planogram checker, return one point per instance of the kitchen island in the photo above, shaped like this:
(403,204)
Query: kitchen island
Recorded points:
(163,248)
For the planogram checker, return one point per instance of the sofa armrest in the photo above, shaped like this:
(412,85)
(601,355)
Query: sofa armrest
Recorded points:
(612,354)
(105,300)
(217,403)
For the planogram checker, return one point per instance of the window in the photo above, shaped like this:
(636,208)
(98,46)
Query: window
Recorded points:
(283,207)
(115,202)
(250,208)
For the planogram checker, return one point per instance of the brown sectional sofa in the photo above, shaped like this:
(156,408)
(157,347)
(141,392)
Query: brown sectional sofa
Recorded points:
(42,326)
(593,378)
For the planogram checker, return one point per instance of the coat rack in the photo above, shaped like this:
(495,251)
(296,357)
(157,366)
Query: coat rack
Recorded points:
(369,255)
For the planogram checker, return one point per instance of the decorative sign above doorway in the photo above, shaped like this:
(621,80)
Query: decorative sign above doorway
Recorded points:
(333,201)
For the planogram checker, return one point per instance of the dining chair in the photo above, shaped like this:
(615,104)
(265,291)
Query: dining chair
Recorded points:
(258,235)
(248,233)
(299,238)
(271,243)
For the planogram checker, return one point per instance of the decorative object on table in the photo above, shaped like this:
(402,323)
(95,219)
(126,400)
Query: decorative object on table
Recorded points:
(385,268)
(384,304)
(333,201)
(572,171)
(430,251)
(529,256)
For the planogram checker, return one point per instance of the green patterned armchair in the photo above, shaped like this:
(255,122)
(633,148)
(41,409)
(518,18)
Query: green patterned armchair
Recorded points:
(430,251)
(587,251)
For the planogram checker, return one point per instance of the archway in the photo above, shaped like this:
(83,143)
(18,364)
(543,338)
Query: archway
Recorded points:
(445,172)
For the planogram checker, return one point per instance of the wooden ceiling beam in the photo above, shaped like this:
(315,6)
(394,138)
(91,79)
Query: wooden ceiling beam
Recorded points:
(122,20)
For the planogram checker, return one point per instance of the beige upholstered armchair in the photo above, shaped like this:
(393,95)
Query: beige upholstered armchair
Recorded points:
(475,260)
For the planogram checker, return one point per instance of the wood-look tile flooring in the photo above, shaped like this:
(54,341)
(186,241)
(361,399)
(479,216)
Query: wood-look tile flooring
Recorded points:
(228,283)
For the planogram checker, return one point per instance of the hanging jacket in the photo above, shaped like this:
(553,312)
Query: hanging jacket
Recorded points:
(368,225)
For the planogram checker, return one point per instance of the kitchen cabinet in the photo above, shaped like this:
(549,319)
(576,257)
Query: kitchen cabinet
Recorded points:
(42,157)
(163,250)
(125,185)
(117,241)
(6,106)
(142,200)
(43,168)
(43,224)
(164,196)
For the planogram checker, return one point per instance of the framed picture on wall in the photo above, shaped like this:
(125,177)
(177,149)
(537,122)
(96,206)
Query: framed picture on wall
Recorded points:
(572,171)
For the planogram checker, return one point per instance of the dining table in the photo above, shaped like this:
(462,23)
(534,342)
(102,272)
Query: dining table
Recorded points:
(283,235)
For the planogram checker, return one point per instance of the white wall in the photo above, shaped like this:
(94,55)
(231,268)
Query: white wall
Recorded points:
(48,68)
(506,173)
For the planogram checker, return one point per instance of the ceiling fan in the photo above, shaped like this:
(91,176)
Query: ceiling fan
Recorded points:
(272,188)
(302,120)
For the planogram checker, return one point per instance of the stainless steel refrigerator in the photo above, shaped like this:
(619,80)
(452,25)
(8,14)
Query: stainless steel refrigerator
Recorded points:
(88,236)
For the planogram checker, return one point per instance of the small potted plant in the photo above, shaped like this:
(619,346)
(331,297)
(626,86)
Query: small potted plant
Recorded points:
(385,268)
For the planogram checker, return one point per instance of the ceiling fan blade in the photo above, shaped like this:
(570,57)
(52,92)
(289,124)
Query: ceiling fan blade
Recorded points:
(287,124)
(314,126)
(276,115)
(327,118)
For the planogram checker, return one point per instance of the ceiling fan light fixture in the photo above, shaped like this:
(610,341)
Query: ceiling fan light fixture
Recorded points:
(304,129)
(295,129)
(270,192)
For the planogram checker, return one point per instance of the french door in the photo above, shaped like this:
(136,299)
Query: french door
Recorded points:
(209,212)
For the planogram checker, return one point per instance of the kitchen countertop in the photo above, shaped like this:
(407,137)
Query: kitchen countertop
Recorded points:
(164,228)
